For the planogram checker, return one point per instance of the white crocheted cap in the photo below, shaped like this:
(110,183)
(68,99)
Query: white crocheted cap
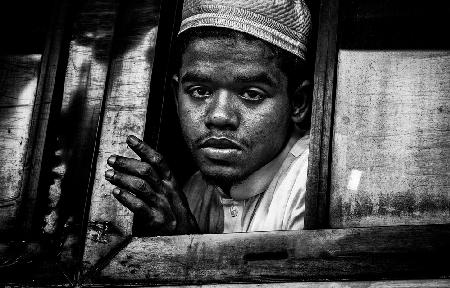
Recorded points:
(284,23)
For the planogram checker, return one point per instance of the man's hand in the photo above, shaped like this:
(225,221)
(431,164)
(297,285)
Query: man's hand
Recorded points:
(149,190)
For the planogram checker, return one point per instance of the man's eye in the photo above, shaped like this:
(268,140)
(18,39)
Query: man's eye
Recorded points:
(253,95)
(199,92)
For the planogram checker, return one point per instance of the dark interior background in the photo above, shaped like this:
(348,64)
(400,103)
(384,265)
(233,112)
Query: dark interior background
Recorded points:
(23,26)
(395,25)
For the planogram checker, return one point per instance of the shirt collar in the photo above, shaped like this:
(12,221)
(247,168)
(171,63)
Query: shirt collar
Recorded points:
(258,182)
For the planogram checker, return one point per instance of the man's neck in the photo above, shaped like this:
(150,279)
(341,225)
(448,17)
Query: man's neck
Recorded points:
(259,180)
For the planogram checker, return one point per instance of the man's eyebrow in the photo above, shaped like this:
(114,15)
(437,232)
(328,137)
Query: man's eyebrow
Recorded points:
(263,77)
(192,76)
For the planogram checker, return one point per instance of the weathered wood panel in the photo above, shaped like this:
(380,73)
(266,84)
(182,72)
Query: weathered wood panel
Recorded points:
(18,82)
(391,142)
(125,110)
(77,124)
(403,252)
(84,85)
(317,197)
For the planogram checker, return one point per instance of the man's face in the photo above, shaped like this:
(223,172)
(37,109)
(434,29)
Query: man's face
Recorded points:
(233,107)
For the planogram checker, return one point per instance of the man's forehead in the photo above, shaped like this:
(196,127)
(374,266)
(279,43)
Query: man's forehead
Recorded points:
(229,65)
(219,49)
(218,74)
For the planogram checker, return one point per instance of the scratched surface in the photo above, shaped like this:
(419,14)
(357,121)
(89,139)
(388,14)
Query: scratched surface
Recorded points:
(391,142)
(125,112)
(18,80)
(305,255)
(127,95)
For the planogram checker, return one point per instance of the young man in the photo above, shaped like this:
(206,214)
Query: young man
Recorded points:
(240,102)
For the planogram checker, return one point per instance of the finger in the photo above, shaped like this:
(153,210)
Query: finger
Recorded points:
(139,187)
(134,167)
(149,155)
(131,183)
(129,200)
(152,217)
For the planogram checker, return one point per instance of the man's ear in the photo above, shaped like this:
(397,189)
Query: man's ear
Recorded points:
(301,102)
(175,85)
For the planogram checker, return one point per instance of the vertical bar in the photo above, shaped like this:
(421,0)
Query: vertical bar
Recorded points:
(317,197)
(45,108)
(164,56)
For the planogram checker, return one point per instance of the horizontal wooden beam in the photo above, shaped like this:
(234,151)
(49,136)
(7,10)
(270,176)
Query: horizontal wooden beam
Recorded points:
(398,252)
(426,283)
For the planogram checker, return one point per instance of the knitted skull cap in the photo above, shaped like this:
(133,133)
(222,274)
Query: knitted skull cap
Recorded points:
(284,23)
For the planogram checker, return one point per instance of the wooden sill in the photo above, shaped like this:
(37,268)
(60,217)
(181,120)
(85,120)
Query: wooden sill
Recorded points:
(397,252)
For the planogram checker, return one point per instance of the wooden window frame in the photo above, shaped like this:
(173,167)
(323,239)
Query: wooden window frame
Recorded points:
(398,252)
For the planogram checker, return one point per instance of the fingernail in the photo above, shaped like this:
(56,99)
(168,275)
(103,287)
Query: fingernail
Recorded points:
(111,160)
(109,174)
(116,191)
(133,140)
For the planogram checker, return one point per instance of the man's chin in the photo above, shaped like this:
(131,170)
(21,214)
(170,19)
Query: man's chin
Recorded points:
(222,177)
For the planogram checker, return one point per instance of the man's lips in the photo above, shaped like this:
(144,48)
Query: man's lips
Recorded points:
(221,148)
(220,143)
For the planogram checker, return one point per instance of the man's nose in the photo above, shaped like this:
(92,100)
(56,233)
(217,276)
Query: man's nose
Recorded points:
(222,111)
